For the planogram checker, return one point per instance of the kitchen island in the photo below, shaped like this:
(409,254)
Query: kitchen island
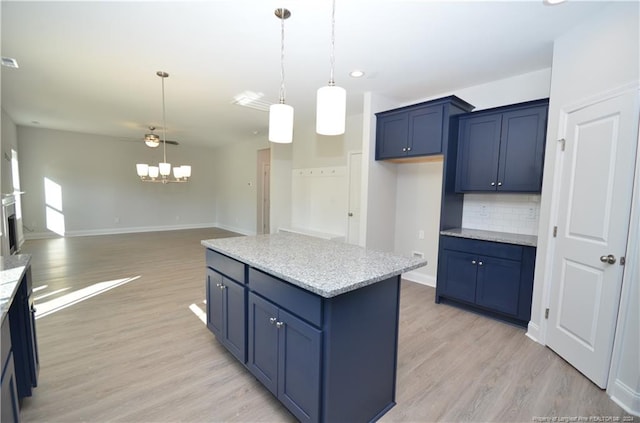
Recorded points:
(316,321)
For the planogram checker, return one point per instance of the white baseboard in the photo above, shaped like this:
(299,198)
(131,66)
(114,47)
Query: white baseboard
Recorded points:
(419,277)
(116,231)
(625,397)
(234,229)
(533,332)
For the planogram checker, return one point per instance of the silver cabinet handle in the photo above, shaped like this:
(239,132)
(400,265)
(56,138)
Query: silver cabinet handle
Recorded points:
(480,263)
(272,320)
(218,285)
(408,148)
(493,184)
(499,184)
(222,287)
(404,149)
(611,259)
(473,262)
(279,324)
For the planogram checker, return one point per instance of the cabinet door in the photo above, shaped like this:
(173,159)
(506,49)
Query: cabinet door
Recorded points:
(498,285)
(478,153)
(263,342)
(392,135)
(425,131)
(522,150)
(234,319)
(299,367)
(458,275)
(9,401)
(214,303)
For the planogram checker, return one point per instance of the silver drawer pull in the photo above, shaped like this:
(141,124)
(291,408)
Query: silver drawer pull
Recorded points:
(473,262)
(479,263)
(272,320)
(279,324)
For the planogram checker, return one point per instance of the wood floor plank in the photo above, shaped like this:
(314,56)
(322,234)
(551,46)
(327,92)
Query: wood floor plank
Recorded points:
(137,353)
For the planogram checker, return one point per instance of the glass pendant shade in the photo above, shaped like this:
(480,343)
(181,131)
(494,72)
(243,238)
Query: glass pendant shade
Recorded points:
(186,171)
(177,172)
(153,171)
(143,169)
(331,109)
(165,169)
(281,123)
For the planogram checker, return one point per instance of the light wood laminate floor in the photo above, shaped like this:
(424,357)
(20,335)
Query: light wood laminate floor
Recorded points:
(137,353)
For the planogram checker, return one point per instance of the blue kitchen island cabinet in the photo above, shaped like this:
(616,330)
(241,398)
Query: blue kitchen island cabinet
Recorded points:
(321,322)
(502,149)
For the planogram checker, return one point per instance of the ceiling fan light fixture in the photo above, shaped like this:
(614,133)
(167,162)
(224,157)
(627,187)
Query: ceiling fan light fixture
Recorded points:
(152,140)
(150,173)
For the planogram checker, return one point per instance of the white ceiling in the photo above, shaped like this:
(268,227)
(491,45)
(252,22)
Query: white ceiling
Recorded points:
(90,66)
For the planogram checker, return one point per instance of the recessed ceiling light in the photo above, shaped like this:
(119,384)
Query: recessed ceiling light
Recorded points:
(553,2)
(9,62)
(356,74)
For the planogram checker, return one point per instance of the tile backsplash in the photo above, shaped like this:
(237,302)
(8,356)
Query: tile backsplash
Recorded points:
(515,213)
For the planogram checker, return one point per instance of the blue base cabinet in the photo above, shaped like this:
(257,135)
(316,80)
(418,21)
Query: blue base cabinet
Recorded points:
(490,277)
(10,405)
(325,359)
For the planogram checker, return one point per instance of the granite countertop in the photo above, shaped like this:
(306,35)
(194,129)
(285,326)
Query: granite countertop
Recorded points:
(327,268)
(506,237)
(12,268)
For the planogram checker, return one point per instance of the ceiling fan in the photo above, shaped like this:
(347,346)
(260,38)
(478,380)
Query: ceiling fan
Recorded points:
(153,140)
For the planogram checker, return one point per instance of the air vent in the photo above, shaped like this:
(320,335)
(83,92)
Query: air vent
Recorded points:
(9,62)
(251,100)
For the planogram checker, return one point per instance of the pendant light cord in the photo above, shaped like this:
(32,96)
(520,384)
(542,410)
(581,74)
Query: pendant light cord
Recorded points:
(164,124)
(332,58)
(282,90)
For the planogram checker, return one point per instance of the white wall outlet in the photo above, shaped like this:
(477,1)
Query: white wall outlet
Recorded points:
(531,214)
(418,254)
(483,211)
(421,234)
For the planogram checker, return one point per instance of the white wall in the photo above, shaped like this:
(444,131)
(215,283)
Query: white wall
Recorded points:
(281,166)
(234,168)
(9,142)
(600,55)
(101,191)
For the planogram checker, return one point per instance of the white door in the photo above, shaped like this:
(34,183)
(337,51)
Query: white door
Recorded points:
(266,197)
(353,213)
(594,203)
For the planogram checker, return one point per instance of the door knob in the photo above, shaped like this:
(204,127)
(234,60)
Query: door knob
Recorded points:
(611,259)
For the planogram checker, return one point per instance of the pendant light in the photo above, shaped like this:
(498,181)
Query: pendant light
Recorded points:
(163,170)
(331,104)
(281,115)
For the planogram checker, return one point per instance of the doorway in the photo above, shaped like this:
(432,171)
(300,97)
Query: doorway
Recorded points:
(264,203)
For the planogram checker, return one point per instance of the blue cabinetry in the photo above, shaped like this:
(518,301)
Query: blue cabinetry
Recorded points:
(284,354)
(226,310)
(326,359)
(502,149)
(416,130)
(10,406)
(489,276)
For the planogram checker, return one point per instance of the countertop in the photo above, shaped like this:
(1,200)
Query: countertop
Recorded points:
(327,268)
(506,237)
(12,268)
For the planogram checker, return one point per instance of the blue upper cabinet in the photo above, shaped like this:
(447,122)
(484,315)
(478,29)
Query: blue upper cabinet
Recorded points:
(502,149)
(417,130)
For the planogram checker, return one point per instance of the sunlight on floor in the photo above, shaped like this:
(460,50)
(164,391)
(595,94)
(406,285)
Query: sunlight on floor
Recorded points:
(198,312)
(67,300)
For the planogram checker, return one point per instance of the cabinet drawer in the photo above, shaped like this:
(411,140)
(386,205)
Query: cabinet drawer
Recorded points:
(226,265)
(485,248)
(298,301)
